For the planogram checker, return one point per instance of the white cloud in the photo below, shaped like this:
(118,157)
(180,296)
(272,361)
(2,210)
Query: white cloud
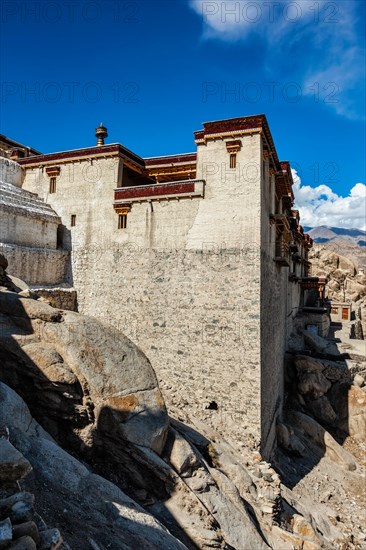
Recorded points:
(236,19)
(321,206)
(322,35)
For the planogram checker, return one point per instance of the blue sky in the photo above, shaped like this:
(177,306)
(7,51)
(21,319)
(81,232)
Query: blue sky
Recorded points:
(153,71)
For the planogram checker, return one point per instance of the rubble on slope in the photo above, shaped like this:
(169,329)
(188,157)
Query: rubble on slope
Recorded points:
(322,441)
(21,528)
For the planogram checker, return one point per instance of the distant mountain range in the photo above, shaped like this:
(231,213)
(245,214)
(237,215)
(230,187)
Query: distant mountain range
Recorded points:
(350,243)
(325,234)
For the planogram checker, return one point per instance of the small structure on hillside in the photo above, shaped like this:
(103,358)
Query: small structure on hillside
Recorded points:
(340,311)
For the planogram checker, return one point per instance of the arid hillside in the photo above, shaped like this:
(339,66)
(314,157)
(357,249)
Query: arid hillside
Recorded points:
(344,264)
(350,243)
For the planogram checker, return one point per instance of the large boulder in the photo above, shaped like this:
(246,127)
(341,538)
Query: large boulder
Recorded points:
(321,438)
(25,310)
(349,402)
(288,440)
(322,410)
(13,465)
(345,264)
(120,379)
(311,379)
(180,454)
(91,511)
(357,413)
(320,345)
(203,509)
(76,364)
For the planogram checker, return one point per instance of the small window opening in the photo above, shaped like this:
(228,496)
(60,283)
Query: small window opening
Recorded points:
(53,185)
(233,160)
(122,221)
(73,220)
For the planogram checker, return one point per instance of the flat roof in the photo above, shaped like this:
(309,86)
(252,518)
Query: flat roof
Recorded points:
(16,144)
(96,150)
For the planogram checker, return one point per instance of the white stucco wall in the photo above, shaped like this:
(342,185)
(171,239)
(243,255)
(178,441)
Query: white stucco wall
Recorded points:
(192,282)
(11,172)
(19,227)
(182,280)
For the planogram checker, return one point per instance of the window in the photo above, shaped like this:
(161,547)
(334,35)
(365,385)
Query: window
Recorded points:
(53,185)
(233,160)
(122,221)
(335,310)
(73,220)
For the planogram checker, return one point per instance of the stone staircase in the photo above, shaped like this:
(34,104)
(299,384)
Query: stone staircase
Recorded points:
(24,201)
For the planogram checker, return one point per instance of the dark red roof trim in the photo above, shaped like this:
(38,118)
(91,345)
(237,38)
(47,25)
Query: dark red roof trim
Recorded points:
(171,159)
(88,152)
(17,145)
(237,124)
(233,124)
(153,191)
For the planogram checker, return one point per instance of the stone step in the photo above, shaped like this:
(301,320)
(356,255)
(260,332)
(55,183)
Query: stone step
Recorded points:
(9,190)
(27,203)
(17,190)
(18,199)
(30,209)
(5,195)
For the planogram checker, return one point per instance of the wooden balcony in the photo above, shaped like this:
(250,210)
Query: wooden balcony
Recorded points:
(311,283)
(187,189)
(281,254)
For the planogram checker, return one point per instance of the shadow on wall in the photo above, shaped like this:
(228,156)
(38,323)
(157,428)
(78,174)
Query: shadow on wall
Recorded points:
(64,241)
(320,411)
(60,401)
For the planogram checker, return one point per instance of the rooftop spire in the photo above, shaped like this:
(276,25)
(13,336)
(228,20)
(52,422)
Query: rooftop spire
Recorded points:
(101,133)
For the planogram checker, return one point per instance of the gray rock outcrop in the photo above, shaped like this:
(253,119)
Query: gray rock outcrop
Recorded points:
(89,502)
(20,527)
(74,363)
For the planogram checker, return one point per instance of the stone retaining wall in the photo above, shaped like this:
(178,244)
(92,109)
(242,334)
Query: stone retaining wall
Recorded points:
(36,266)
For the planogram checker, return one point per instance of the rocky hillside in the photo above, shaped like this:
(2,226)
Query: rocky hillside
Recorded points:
(346,280)
(350,243)
(21,528)
(112,469)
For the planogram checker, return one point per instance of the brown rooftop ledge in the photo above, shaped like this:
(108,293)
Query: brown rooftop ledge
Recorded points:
(172,190)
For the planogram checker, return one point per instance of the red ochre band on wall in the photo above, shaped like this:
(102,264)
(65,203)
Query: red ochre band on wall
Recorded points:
(170,190)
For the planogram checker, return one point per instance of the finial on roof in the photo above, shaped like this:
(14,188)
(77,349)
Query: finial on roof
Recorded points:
(101,133)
